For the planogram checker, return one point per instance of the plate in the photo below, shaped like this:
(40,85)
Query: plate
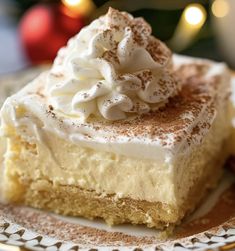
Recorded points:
(211,227)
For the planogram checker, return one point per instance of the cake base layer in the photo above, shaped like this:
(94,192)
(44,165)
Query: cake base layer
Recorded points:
(74,201)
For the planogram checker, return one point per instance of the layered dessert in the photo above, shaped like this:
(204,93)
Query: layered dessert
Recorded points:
(118,129)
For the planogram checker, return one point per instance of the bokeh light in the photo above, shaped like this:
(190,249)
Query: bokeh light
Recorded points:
(81,7)
(72,2)
(220,8)
(195,14)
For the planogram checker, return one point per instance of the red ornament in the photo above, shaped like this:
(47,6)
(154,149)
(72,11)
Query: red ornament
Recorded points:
(45,29)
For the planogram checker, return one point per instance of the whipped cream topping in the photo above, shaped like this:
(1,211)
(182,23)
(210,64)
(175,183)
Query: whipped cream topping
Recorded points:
(113,68)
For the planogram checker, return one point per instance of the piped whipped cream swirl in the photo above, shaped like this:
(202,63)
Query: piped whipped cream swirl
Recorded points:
(113,68)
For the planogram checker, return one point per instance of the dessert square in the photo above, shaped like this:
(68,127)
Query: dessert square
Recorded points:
(118,129)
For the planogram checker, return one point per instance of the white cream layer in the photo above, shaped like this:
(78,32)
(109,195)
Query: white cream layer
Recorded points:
(35,119)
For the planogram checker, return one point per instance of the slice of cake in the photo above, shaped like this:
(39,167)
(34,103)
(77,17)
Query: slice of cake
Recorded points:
(117,129)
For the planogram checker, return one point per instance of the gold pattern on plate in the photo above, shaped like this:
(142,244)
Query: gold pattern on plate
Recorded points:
(7,247)
(227,247)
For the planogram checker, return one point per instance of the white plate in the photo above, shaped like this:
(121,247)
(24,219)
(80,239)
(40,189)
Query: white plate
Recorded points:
(210,227)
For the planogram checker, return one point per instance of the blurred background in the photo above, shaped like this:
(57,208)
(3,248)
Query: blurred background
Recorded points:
(32,31)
